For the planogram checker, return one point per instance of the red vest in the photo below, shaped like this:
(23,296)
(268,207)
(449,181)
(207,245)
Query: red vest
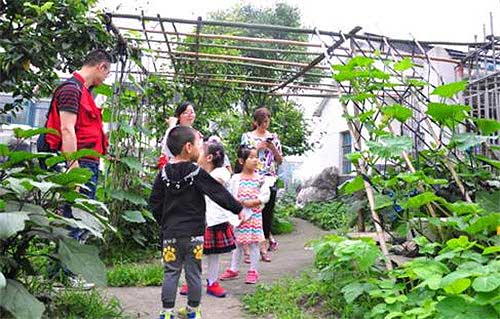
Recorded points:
(88,127)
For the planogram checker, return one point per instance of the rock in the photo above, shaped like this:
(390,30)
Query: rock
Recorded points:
(322,187)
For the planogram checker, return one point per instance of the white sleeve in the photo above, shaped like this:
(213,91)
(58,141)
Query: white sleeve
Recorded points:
(233,185)
(164,148)
(221,173)
(265,193)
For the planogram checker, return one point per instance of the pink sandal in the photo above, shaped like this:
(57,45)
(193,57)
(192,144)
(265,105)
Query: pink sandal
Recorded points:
(265,257)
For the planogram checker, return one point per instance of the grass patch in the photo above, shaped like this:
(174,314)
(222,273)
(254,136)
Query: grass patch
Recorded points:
(126,254)
(85,304)
(287,299)
(135,275)
(306,297)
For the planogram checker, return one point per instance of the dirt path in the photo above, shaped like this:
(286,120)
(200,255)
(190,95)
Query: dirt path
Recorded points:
(289,260)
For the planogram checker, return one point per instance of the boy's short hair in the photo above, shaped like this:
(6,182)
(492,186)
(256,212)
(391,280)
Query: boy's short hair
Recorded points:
(97,56)
(178,137)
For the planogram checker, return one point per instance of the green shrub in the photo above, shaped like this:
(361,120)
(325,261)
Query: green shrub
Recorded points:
(79,304)
(135,275)
(282,223)
(332,215)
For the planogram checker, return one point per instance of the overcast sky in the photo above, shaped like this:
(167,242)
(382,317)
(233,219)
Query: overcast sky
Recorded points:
(447,20)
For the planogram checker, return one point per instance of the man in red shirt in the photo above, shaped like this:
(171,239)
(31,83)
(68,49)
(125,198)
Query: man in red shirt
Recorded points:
(74,114)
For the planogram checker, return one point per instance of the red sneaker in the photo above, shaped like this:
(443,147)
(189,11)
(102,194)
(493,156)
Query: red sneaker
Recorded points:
(252,277)
(229,275)
(216,290)
(184,290)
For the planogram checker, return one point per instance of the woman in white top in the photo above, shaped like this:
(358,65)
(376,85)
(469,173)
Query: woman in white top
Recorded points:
(270,156)
(184,115)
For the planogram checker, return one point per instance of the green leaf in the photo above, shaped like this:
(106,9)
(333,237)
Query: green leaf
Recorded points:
(487,223)
(455,307)
(133,163)
(421,199)
(487,160)
(19,302)
(20,133)
(446,114)
(11,223)
(83,260)
(103,89)
(487,126)
(106,115)
(353,185)
(77,175)
(73,156)
(450,89)
(390,146)
(490,201)
(416,83)
(55,159)
(382,201)
(398,112)
(464,208)
(463,141)
(3,281)
(21,156)
(486,283)
(491,250)
(460,242)
(354,290)
(458,286)
(354,157)
(2,204)
(133,216)
(403,65)
(131,197)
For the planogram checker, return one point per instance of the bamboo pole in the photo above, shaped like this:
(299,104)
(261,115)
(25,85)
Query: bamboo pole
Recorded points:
(229,37)
(243,58)
(231,47)
(369,191)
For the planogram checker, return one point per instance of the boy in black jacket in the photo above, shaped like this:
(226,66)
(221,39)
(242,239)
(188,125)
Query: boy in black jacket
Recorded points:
(178,205)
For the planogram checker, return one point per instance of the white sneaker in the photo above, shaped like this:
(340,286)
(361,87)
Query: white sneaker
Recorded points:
(78,282)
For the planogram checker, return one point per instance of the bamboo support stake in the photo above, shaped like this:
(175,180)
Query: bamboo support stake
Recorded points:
(243,58)
(369,193)
(230,37)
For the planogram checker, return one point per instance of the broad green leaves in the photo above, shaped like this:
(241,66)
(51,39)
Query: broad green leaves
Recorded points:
(18,301)
(133,216)
(398,112)
(486,283)
(354,290)
(456,307)
(390,146)
(11,223)
(353,185)
(83,260)
(20,133)
(466,140)
(3,281)
(404,64)
(128,196)
(487,126)
(450,89)
(103,89)
(447,114)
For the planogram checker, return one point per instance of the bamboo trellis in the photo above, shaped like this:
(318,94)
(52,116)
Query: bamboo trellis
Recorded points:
(152,35)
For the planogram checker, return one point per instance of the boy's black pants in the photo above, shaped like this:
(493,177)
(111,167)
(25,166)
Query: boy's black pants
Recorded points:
(179,252)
